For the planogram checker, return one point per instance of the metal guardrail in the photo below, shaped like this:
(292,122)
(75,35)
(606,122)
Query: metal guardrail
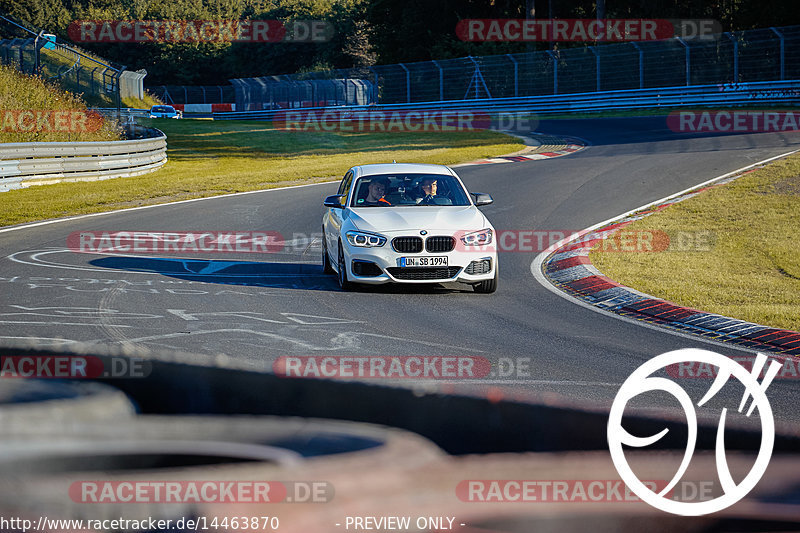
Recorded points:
(26,164)
(786,92)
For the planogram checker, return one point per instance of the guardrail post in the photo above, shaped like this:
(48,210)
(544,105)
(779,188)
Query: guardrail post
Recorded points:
(597,65)
(783,52)
(688,61)
(516,75)
(735,57)
(641,63)
(408,83)
(441,80)
(555,71)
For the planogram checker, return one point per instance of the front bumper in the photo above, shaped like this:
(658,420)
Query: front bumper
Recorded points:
(388,260)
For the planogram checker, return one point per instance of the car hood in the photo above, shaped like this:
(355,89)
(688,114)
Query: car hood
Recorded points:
(384,219)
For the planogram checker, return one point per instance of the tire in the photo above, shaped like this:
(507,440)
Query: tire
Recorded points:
(34,406)
(344,283)
(490,285)
(326,260)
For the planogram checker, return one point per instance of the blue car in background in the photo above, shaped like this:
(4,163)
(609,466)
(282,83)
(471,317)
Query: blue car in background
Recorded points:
(164,111)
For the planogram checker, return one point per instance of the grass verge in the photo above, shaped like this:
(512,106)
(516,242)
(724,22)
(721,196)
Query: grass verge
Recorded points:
(752,269)
(208,158)
(23,92)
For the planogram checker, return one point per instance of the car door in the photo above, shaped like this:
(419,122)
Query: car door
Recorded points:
(335,216)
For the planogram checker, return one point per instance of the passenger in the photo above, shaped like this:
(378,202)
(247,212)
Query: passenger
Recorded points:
(377,190)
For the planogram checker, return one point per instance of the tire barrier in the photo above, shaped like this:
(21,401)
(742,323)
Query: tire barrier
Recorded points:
(31,406)
(363,470)
(91,470)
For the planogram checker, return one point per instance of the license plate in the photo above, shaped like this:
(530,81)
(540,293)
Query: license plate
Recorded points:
(437,260)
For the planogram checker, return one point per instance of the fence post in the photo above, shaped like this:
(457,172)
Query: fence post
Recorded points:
(735,57)
(118,78)
(92,82)
(374,86)
(688,61)
(441,80)
(597,65)
(37,62)
(204,94)
(516,75)
(408,83)
(555,71)
(783,52)
(641,63)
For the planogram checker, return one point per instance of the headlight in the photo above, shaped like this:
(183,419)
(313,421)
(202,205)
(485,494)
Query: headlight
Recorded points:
(365,240)
(477,238)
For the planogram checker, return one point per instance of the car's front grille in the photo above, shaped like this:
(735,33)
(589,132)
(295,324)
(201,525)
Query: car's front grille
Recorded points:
(440,244)
(423,273)
(366,269)
(407,245)
(484,266)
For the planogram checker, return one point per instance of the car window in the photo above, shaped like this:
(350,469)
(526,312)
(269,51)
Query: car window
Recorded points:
(404,190)
(344,187)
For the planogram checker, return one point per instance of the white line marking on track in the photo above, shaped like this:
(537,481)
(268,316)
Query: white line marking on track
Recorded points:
(79,217)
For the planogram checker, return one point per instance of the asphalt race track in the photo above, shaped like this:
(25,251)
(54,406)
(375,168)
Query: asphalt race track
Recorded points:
(256,308)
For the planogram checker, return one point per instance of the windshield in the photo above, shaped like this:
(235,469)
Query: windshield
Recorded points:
(163,109)
(389,190)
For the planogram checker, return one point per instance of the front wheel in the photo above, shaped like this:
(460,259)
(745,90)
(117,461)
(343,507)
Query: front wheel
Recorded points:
(490,285)
(344,284)
(327,267)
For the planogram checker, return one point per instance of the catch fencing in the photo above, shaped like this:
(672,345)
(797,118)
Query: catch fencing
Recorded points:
(728,59)
(75,70)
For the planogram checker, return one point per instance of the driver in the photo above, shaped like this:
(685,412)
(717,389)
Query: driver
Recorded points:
(428,188)
(377,190)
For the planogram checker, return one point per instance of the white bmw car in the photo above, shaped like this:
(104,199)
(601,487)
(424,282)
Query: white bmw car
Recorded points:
(404,223)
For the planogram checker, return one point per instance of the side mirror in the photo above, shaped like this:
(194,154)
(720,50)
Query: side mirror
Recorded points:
(335,201)
(482,199)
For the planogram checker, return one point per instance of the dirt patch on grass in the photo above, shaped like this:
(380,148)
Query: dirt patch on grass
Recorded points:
(788,186)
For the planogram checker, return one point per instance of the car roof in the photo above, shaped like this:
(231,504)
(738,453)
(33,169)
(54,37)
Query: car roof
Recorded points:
(402,168)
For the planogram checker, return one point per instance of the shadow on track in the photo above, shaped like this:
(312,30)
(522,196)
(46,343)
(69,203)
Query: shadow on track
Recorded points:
(303,276)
